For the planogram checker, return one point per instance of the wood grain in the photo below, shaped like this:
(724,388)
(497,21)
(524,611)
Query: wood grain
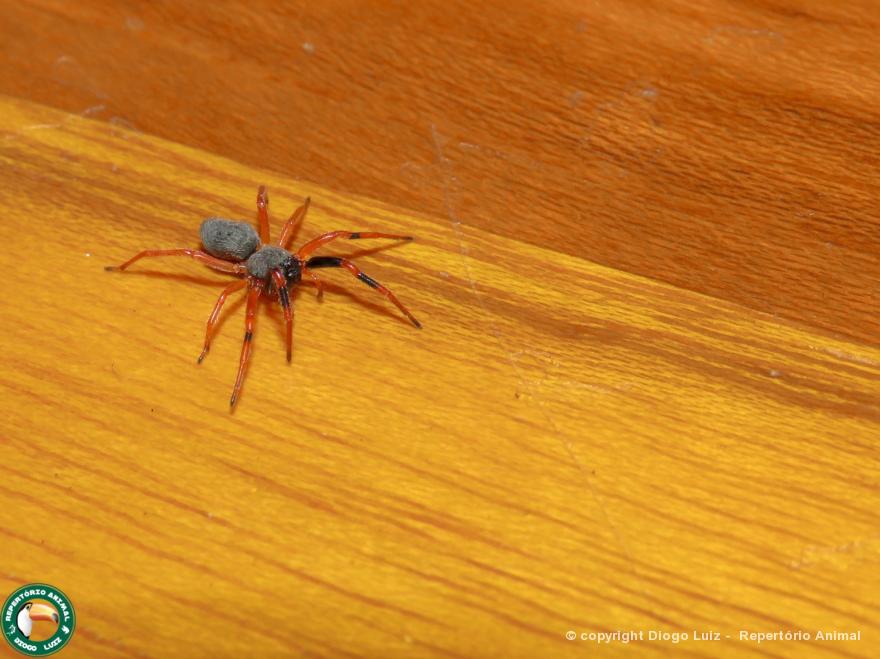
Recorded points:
(725,147)
(563,447)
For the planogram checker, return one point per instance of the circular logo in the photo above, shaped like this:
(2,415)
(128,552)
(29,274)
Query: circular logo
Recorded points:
(38,620)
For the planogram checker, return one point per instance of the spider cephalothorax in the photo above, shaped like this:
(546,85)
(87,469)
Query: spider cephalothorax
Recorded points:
(267,259)
(236,248)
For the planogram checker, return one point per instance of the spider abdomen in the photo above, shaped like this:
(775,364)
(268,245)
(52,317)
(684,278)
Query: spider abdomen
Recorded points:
(262,262)
(227,239)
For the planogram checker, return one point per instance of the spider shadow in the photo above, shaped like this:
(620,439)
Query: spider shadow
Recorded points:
(363,251)
(237,300)
(331,290)
(276,314)
(178,276)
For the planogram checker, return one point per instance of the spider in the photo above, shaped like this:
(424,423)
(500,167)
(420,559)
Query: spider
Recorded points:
(234,247)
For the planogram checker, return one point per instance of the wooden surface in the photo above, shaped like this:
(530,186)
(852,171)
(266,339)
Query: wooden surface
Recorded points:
(563,447)
(646,394)
(725,147)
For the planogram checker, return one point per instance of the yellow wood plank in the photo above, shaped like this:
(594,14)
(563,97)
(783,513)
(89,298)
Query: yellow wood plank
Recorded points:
(562,447)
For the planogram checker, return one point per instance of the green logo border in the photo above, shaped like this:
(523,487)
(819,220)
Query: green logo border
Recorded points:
(15,634)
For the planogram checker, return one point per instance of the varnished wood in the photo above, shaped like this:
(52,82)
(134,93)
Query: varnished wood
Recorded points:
(562,447)
(724,147)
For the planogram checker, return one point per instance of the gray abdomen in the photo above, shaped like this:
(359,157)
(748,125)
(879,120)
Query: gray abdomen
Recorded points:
(227,239)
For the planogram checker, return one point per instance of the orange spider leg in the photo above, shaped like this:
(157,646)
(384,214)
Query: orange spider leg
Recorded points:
(198,255)
(293,222)
(337,262)
(216,313)
(317,282)
(284,299)
(263,214)
(253,302)
(325,238)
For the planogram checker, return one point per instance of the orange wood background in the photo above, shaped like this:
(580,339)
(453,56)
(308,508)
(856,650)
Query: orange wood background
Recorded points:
(725,147)
(646,395)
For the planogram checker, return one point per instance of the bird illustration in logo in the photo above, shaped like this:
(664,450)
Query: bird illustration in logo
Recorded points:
(31,612)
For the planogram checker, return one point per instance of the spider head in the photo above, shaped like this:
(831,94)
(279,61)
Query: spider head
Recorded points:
(291,268)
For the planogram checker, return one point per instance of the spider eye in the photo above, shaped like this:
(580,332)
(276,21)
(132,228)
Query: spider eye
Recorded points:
(291,269)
